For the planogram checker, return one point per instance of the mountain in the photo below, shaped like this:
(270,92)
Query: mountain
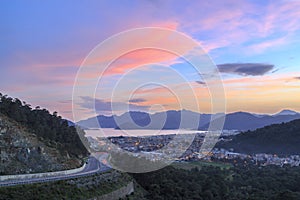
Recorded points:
(70,123)
(280,139)
(241,121)
(33,140)
(141,118)
(244,121)
(286,112)
(165,120)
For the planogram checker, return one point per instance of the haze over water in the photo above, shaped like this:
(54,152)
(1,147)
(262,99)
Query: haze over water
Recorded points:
(110,132)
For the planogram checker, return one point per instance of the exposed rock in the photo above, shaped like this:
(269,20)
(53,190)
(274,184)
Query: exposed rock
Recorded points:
(22,152)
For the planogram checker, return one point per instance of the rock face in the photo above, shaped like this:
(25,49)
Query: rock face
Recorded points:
(22,152)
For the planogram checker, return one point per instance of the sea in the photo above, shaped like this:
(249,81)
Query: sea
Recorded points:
(111,132)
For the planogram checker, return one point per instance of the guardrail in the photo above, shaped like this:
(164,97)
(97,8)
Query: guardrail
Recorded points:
(51,178)
(41,175)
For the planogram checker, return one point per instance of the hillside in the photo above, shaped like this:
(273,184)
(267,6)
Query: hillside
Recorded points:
(244,121)
(208,182)
(33,140)
(281,139)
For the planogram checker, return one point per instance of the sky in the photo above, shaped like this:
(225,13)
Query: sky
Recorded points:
(254,45)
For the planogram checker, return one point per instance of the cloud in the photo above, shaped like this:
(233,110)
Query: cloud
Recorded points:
(276,70)
(161,46)
(65,101)
(102,105)
(263,46)
(200,82)
(246,69)
(137,100)
(298,77)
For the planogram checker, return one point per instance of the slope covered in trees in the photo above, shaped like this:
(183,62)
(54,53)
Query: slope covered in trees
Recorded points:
(49,128)
(281,139)
(271,182)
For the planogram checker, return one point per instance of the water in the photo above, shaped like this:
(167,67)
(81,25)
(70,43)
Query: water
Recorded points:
(110,132)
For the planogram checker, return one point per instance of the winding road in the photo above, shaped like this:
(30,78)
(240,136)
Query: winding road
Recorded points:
(94,165)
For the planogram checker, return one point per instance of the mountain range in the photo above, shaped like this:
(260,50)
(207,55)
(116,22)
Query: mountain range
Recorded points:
(241,121)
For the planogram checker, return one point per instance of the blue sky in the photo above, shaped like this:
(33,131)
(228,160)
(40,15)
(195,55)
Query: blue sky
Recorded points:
(43,44)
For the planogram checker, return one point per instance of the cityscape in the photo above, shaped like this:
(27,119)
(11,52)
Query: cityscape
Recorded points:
(152,148)
(150,100)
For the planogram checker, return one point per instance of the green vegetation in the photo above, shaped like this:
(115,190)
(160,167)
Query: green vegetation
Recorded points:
(50,128)
(81,188)
(251,182)
(200,164)
(128,162)
(222,165)
(282,139)
(207,183)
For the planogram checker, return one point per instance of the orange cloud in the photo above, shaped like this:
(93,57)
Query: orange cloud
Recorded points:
(138,58)
(176,97)
(263,95)
(267,94)
(141,47)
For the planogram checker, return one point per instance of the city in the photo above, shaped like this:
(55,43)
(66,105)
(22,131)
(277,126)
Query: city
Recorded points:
(154,148)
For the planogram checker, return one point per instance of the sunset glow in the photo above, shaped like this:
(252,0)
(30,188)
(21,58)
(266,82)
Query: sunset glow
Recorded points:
(255,45)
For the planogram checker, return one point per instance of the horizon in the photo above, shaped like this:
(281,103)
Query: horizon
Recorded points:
(150,99)
(270,114)
(253,45)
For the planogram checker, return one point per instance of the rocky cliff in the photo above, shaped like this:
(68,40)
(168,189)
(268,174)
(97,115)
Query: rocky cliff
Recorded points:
(22,152)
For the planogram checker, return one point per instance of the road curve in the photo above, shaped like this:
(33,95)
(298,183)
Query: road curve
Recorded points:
(93,166)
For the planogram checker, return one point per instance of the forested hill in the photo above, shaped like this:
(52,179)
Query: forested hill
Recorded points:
(50,129)
(281,139)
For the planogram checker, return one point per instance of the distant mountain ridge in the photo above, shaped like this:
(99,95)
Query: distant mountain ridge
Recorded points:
(287,112)
(241,121)
(244,121)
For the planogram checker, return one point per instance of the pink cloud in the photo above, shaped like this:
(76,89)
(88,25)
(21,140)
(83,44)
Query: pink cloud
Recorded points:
(235,23)
(282,15)
(261,47)
(138,58)
(154,46)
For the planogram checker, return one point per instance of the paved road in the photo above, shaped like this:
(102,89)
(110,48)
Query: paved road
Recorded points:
(93,166)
